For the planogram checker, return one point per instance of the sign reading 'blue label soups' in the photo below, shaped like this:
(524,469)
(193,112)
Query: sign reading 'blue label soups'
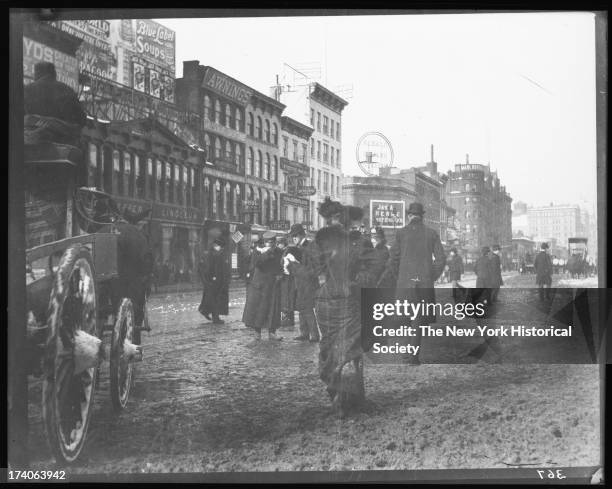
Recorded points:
(387,213)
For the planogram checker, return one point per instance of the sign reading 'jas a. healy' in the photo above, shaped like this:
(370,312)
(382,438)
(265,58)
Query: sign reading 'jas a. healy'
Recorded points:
(387,213)
(227,87)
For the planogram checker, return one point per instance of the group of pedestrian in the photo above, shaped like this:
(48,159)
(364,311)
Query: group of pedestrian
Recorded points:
(321,280)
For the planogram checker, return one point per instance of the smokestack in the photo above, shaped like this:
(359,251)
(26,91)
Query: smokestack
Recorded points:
(467,158)
(432,156)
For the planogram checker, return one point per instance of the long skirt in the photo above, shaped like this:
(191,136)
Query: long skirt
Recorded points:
(340,325)
(262,309)
(215,300)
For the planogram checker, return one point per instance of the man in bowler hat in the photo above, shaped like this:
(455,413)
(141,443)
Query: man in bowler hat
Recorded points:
(306,284)
(416,261)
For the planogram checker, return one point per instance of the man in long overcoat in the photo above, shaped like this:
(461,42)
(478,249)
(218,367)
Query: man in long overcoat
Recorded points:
(543,269)
(215,278)
(496,273)
(263,305)
(482,268)
(417,259)
(306,285)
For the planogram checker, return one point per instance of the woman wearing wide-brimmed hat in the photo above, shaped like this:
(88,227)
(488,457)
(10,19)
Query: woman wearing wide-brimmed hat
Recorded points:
(335,258)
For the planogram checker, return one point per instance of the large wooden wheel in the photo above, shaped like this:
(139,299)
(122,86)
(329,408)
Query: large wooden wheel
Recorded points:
(72,353)
(122,349)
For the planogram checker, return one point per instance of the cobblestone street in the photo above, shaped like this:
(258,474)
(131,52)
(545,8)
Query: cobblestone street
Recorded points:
(208,398)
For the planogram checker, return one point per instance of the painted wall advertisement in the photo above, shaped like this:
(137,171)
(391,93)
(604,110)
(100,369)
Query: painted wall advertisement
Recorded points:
(387,213)
(138,52)
(66,66)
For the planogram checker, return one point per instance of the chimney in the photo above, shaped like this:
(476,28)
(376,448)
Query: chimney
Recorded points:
(467,159)
(190,70)
(432,156)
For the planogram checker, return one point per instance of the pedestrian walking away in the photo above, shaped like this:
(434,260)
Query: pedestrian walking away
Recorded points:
(543,269)
(306,284)
(455,270)
(496,272)
(215,278)
(262,309)
(482,268)
(416,260)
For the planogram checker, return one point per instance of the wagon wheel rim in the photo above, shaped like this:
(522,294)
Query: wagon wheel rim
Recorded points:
(74,395)
(124,367)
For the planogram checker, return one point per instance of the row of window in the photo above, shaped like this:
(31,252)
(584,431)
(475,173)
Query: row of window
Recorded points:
(224,149)
(295,154)
(329,127)
(328,153)
(129,174)
(261,166)
(330,185)
(231,116)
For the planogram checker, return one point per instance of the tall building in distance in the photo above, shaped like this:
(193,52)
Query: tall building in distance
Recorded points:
(483,207)
(555,224)
(320,108)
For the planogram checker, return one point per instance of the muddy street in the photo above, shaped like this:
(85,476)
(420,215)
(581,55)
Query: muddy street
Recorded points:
(207,398)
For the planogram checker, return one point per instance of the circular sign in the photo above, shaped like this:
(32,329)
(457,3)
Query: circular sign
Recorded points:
(374,152)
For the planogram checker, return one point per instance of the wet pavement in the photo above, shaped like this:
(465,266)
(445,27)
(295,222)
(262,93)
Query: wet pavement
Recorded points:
(209,398)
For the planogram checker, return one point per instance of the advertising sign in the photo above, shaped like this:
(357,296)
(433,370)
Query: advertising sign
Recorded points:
(167,88)
(139,77)
(373,152)
(227,87)
(387,213)
(280,225)
(154,83)
(306,191)
(66,66)
(155,42)
(250,206)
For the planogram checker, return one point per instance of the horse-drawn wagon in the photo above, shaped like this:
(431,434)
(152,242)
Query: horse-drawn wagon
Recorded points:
(76,296)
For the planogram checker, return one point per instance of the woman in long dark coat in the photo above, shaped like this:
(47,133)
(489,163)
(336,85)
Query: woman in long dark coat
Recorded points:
(215,278)
(335,257)
(263,303)
(287,288)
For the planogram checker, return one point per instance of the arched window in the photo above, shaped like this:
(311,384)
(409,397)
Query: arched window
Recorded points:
(238,155)
(267,132)
(249,168)
(195,195)
(128,182)
(217,147)
(226,199)
(267,169)
(238,119)
(274,133)
(117,177)
(151,177)
(220,197)
(213,199)
(207,194)
(92,166)
(259,215)
(207,107)
(159,176)
(178,176)
(275,207)
(235,200)
(139,176)
(265,207)
(168,182)
(207,146)
(228,151)
(275,170)
(258,128)
(467,187)
(228,116)
(250,124)
(217,111)
(258,163)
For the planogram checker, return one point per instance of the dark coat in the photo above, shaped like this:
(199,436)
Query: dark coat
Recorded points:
(417,259)
(496,275)
(263,304)
(287,289)
(543,268)
(483,269)
(51,98)
(306,283)
(455,268)
(215,278)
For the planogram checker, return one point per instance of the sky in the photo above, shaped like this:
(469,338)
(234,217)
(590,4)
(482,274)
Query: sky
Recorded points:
(514,90)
